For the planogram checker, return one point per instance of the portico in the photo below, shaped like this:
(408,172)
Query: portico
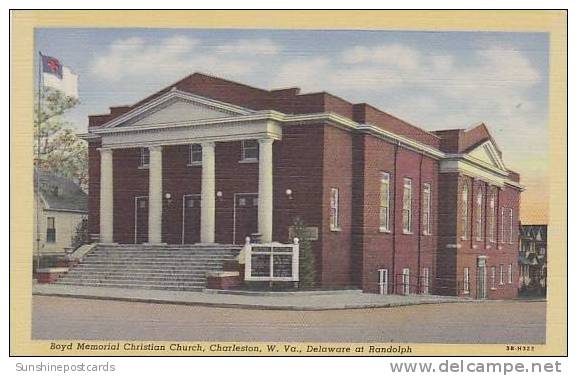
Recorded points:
(151,130)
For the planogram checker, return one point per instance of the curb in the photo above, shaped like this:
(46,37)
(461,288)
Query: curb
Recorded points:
(247,306)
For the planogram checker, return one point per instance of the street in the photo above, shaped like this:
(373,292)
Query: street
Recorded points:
(485,322)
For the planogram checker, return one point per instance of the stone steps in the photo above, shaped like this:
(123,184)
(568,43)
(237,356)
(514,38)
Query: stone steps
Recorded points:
(171,268)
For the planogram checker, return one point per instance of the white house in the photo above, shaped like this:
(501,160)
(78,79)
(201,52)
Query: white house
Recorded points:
(62,207)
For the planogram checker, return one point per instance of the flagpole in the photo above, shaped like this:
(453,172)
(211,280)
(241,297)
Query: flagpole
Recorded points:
(38,155)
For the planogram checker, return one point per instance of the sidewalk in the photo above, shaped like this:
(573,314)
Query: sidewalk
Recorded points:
(323,300)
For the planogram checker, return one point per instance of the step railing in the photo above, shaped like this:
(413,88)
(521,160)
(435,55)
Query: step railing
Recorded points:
(271,262)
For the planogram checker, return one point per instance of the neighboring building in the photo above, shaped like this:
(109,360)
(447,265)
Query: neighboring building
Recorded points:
(533,259)
(209,160)
(63,205)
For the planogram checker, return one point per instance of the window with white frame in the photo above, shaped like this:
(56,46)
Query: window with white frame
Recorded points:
(385,196)
(479,216)
(493,277)
(144,158)
(510,226)
(426,209)
(466,281)
(503,225)
(383,281)
(465,211)
(501,274)
(407,205)
(334,220)
(249,150)
(510,274)
(406,281)
(425,281)
(491,218)
(50,229)
(507,225)
(195,155)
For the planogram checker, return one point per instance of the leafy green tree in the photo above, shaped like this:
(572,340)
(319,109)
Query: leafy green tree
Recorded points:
(61,151)
(307,271)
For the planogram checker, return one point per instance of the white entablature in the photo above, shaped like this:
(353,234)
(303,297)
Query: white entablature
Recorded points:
(483,162)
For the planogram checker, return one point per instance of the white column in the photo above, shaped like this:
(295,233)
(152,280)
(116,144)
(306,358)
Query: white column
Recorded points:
(265,194)
(207,198)
(106,196)
(155,195)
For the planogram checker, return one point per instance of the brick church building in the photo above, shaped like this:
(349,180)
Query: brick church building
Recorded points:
(389,207)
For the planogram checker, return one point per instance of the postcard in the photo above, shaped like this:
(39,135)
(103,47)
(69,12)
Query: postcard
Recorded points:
(374,183)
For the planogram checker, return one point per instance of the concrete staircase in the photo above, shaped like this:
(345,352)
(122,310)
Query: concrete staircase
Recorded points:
(171,267)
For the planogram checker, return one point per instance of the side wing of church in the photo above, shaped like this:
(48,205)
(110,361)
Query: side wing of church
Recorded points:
(390,208)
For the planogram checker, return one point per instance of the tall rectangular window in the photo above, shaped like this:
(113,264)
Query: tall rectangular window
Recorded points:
(466,279)
(492,217)
(249,150)
(426,209)
(507,225)
(493,277)
(385,197)
(406,281)
(503,225)
(50,230)
(407,206)
(510,274)
(195,155)
(334,221)
(479,216)
(383,281)
(425,281)
(144,158)
(510,226)
(465,211)
(501,274)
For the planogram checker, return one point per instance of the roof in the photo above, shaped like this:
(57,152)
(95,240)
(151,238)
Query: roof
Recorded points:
(465,140)
(534,232)
(287,100)
(61,193)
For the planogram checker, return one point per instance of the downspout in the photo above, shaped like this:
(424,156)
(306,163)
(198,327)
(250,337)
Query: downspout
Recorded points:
(395,215)
(419,234)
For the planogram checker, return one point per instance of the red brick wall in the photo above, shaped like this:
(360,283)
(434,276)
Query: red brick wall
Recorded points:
(448,228)
(178,180)
(392,250)
(452,261)
(129,182)
(337,173)
(298,166)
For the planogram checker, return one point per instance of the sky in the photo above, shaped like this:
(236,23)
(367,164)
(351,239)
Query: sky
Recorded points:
(435,80)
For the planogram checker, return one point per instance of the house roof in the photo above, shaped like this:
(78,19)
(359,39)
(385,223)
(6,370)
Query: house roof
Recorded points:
(534,232)
(61,193)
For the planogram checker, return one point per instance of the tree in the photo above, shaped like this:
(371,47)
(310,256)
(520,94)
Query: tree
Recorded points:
(80,235)
(307,271)
(61,151)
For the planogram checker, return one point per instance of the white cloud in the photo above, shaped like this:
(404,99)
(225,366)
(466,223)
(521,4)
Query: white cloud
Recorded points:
(308,74)
(138,60)
(391,55)
(251,47)
(132,57)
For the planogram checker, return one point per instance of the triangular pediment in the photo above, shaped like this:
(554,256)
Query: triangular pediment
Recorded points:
(487,153)
(176,107)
